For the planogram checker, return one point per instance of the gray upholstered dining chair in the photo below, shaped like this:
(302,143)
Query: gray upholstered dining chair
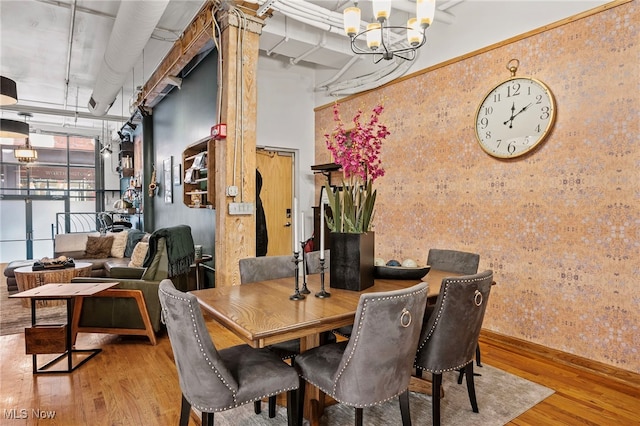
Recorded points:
(386,324)
(312,260)
(449,337)
(454,261)
(461,262)
(263,268)
(214,380)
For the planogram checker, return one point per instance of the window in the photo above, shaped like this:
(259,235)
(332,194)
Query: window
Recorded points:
(65,168)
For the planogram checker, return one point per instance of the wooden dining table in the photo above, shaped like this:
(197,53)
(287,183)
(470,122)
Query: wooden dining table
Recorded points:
(262,314)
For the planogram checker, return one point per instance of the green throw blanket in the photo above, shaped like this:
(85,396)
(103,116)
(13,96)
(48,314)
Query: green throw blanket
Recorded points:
(180,250)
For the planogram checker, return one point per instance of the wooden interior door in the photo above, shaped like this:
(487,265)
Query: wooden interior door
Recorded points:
(276,169)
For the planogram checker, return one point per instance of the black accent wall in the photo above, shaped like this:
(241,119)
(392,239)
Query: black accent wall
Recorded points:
(183,117)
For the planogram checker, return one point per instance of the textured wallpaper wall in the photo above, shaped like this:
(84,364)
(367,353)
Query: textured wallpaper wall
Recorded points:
(560,227)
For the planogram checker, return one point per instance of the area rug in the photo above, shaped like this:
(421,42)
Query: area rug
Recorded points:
(501,398)
(14,317)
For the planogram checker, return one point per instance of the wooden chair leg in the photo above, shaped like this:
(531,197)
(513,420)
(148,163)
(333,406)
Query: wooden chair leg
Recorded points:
(257,407)
(358,416)
(471,389)
(207,419)
(301,392)
(292,408)
(478,361)
(404,408)
(436,380)
(185,410)
(272,407)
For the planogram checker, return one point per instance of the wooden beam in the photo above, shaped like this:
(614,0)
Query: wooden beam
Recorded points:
(195,37)
(236,154)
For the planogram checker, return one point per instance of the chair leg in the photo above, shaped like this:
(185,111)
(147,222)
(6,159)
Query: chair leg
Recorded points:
(358,417)
(418,373)
(478,363)
(257,407)
(292,408)
(272,407)
(471,389)
(185,410)
(404,408)
(301,391)
(207,419)
(436,383)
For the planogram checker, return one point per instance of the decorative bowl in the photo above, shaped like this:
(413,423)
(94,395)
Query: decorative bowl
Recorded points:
(401,272)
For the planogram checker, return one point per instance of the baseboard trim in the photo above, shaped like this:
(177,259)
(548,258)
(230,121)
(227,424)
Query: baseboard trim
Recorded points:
(513,343)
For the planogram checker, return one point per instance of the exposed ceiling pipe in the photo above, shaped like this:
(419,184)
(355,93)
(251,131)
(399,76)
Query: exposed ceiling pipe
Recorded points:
(277,27)
(67,74)
(278,44)
(359,86)
(318,46)
(132,30)
(309,19)
(312,11)
(324,85)
(57,112)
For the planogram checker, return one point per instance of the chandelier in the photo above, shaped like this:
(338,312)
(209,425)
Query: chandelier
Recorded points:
(25,153)
(379,35)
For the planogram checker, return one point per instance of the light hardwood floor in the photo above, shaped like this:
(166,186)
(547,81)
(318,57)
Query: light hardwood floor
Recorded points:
(133,383)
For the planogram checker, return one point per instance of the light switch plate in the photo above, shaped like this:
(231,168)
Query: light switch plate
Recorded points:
(240,208)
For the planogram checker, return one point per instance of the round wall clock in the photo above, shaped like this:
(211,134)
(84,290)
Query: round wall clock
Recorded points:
(515,116)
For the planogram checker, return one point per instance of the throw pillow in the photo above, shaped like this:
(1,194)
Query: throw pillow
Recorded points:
(134,236)
(138,255)
(119,243)
(98,247)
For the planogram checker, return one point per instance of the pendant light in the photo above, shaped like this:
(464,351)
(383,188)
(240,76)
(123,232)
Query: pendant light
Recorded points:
(25,153)
(9,96)
(8,91)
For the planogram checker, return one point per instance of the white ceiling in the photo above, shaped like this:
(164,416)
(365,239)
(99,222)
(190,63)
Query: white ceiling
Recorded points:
(56,73)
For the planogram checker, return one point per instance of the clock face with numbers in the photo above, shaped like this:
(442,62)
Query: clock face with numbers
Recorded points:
(514,117)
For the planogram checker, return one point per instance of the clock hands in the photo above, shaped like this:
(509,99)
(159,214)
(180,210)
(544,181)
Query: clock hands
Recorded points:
(513,108)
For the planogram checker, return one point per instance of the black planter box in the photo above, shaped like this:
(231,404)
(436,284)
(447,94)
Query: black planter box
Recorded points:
(352,261)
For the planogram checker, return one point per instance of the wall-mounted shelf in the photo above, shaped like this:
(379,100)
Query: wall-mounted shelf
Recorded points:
(125,157)
(198,164)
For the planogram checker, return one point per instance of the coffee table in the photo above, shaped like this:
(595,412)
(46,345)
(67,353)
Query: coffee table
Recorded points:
(27,278)
(56,338)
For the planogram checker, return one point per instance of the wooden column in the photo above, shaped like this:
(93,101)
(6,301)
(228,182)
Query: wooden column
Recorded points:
(236,234)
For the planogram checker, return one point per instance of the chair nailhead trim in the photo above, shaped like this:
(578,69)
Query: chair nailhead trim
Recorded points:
(356,339)
(328,392)
(236,403)
(424,342)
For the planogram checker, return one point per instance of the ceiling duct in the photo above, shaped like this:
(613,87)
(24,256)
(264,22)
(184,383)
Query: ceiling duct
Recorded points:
(132,29)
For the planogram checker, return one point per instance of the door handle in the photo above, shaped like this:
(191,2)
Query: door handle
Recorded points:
(287,224)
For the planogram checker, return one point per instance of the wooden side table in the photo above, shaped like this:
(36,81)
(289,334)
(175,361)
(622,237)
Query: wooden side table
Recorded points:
(56,338)
(196,264)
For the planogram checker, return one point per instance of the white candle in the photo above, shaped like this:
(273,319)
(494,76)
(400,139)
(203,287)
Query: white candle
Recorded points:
(294,219)
(321,230)
(301,226)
